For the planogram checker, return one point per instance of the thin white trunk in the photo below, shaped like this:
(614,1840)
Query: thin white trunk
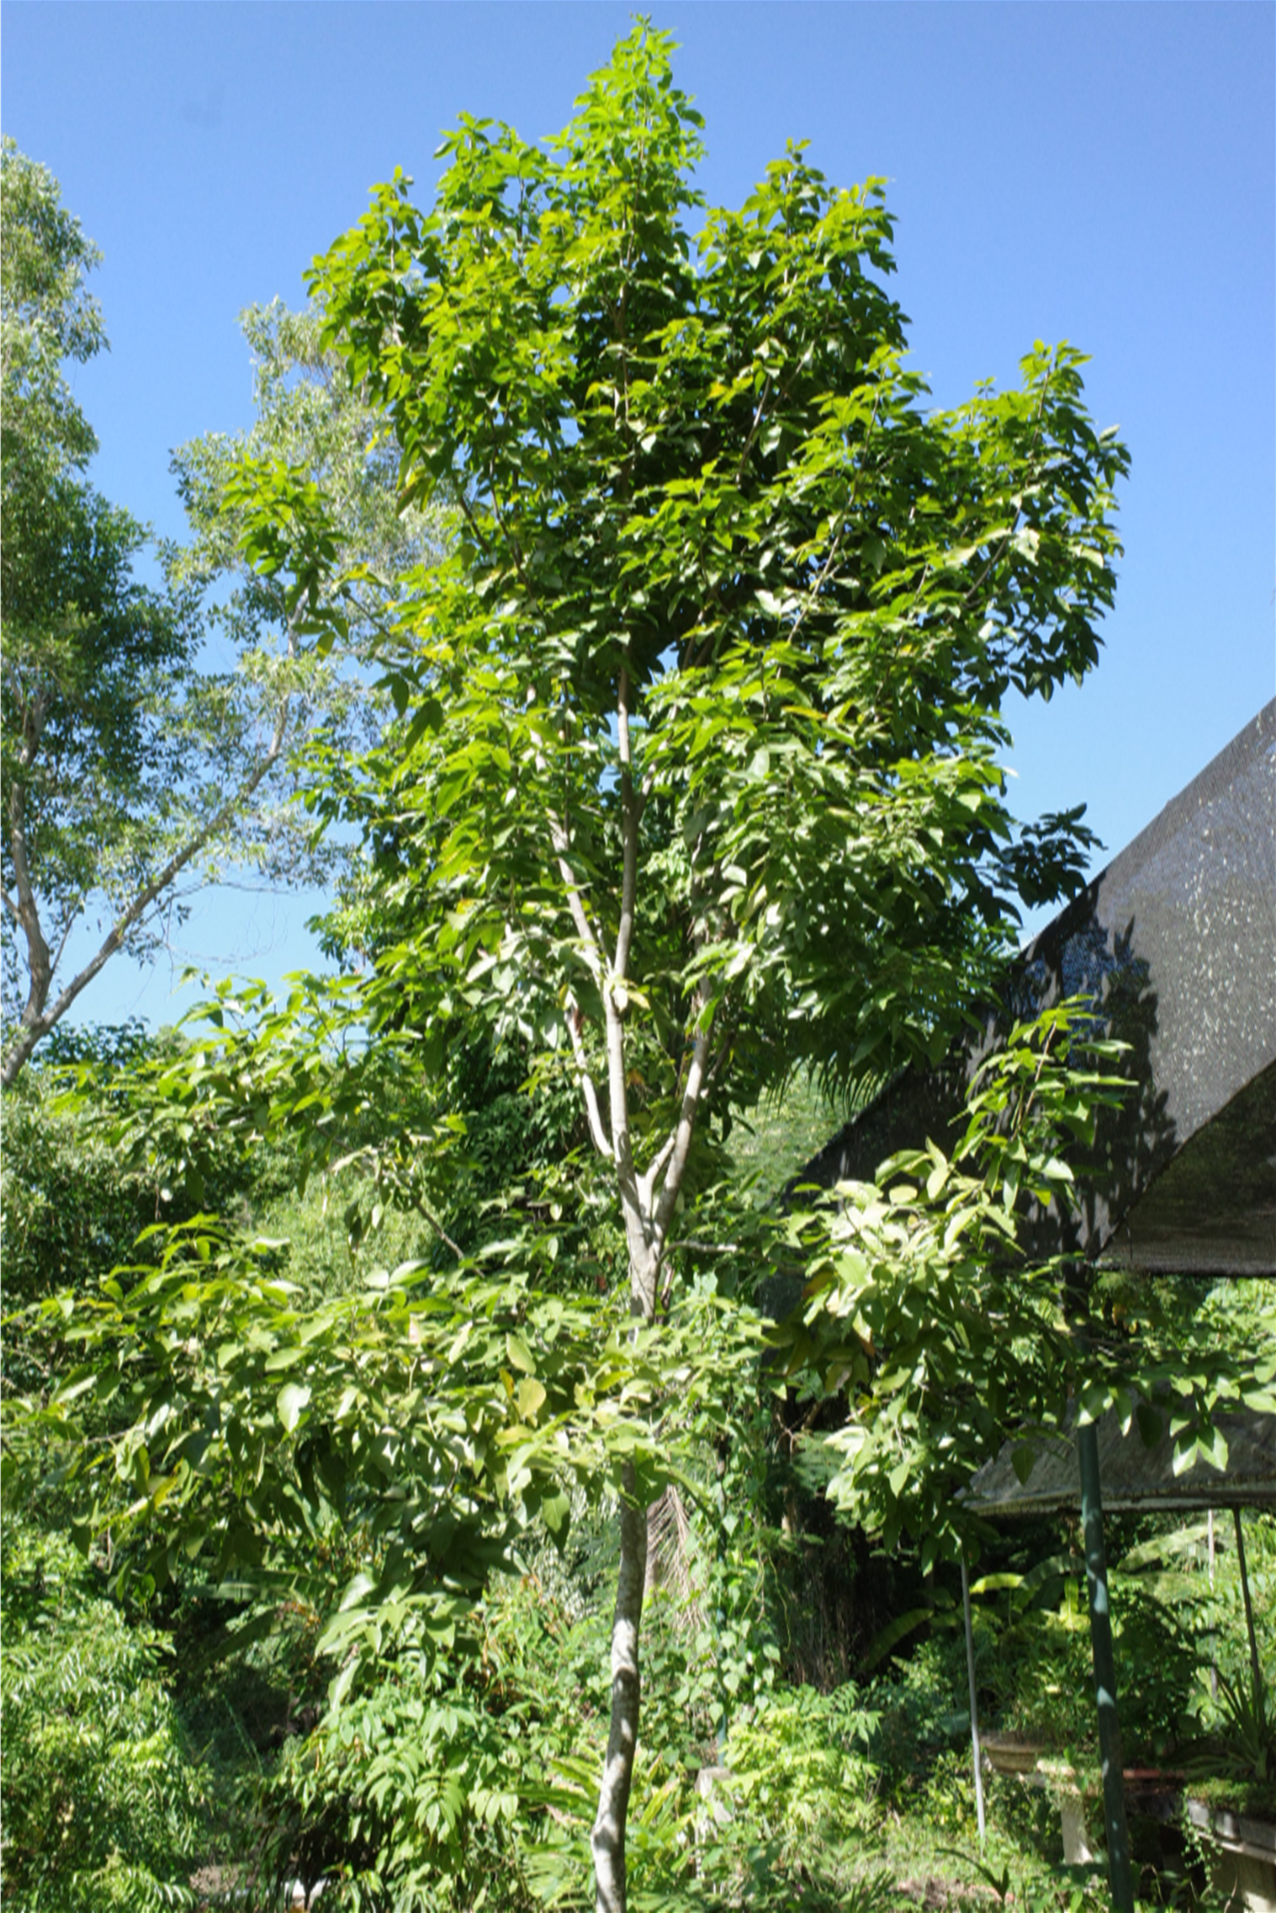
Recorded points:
(648,1202)
(608,1838)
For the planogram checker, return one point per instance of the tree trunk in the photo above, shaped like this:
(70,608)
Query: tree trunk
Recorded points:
(647,1215)
(608,1838)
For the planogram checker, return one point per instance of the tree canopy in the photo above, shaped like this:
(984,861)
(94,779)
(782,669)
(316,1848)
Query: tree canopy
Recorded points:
(149,729)
(692,781)
(696,775)
(731,609)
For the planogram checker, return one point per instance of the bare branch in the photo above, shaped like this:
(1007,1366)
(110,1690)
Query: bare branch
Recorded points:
(592,948)
(39,963)
(593,1110)
(72,916)
(656,1166)
(629,831)
(440,1231)
(576,903)
(37,1020)
(686,1122)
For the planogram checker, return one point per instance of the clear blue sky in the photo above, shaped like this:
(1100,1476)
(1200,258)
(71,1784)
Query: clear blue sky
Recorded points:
(1100,173)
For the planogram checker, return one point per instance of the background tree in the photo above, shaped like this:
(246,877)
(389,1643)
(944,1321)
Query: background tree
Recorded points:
(48,316)
(309,420)
(149,731)
(699,779)
(85,646)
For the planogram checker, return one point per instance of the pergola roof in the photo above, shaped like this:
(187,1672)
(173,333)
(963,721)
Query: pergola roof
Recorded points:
(1134,1476)
(1176,942)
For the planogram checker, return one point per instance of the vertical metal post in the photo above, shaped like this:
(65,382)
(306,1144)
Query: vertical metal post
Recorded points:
(1209,1520)
(1249,1612)
(1096,1574)
(974,1705)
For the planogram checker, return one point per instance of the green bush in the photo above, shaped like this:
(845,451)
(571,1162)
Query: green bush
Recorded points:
(68,1212)
(922,1712)
(102,1802)
(800,1765)
(1041,1673)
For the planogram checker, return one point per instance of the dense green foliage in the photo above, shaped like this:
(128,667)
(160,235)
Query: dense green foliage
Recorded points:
(723,589)
(435,1771)
(375,1339)
(102,1806)
(149,732)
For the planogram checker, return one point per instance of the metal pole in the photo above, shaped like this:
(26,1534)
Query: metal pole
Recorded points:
(1249,1613)
(974,1707)
(1213,1635)
(1096,1573)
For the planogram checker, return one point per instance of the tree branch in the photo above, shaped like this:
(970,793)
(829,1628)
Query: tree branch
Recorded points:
(63,940)
(657,1164)
(37,1021)
(593,1110)
(686,1123)
(440,1231)
(629,831)
(39,963)
(576,903)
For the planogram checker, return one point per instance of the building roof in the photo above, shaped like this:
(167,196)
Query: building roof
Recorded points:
(1134,1475)
(1176,942)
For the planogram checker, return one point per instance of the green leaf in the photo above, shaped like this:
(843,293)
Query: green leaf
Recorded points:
(531,1398)
(1022,1457)
(555,1511)
(519,1354)
(292,1398)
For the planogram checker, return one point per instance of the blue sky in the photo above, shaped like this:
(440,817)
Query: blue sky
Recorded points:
(1100,173)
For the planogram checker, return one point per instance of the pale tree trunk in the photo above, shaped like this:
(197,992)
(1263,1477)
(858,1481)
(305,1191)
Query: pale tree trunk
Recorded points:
(608,1838)
(647,1202)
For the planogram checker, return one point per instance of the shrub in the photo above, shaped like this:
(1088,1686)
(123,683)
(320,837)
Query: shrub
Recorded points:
(101,1799)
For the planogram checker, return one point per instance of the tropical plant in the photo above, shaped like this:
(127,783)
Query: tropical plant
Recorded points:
(103,1801)
(919,1303)
(799,1761)
(695,778)
(1242,1742)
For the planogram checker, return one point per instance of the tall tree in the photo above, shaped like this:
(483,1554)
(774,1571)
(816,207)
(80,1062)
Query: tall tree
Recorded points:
(88,774)
(83,644)
(48,316)
(699,776)
(138,760)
